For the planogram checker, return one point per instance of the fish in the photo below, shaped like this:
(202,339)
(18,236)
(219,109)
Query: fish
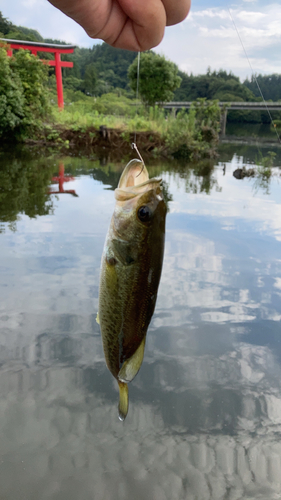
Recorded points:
(130,273)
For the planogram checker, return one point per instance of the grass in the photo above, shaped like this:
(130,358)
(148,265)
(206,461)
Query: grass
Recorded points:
(190,135)
(95,112)
(265,164)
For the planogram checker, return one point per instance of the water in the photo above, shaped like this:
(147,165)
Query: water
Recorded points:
(251,130)
(205,409)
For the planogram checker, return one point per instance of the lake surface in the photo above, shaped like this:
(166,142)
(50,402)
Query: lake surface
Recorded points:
(204,420)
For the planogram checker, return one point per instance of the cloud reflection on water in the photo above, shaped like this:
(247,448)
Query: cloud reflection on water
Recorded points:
(204,418)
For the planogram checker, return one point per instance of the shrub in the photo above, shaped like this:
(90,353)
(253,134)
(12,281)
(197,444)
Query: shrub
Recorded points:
(23,95)
(158,78)
(11,96)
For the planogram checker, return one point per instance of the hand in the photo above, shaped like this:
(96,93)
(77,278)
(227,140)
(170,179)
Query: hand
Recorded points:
(126,24)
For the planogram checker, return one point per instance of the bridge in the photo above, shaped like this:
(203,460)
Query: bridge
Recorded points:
(253,106)
(234,106)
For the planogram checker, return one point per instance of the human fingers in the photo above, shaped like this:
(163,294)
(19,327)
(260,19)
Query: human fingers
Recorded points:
(176,10)
(136,25)
(141,24)
(145,25)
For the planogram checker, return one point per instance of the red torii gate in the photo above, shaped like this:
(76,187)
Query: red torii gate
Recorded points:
(57,49)
(61,178)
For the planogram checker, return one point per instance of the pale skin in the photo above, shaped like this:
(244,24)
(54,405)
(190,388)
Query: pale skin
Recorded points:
(127,24)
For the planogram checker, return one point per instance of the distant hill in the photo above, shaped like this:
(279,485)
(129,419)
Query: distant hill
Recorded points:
(102,69)
(213,85)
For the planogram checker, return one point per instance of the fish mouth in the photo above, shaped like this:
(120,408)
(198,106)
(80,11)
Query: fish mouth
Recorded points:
(135,181)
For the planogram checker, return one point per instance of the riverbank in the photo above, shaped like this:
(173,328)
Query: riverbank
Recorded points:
(86,139)
(103,138)
(113,123)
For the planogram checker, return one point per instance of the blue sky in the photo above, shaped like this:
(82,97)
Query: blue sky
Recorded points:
(206,38)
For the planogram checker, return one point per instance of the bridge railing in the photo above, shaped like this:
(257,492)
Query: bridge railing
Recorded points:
(276,106)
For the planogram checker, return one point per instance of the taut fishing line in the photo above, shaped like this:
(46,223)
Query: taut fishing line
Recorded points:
(254,76)
(134,144)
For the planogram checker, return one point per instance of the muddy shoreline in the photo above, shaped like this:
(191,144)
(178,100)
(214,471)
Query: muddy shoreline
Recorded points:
(102,138)
(86,140)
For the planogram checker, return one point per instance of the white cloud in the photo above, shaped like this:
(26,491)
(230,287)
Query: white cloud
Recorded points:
(211,13)
(209,38)
(249,17)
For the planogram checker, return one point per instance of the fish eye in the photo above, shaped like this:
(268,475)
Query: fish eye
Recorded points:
(144,213)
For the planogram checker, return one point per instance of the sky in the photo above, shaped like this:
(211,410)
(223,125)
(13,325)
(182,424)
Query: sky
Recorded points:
(207,38)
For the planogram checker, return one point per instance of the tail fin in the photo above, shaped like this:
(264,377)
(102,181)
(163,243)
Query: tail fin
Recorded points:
(123,400)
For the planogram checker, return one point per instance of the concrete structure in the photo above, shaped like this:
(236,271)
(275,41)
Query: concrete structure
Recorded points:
(234,106)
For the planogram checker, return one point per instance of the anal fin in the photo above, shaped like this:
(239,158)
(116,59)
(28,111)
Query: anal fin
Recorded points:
(132,365)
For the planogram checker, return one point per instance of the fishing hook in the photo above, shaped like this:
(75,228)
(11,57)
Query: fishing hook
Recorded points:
(134,146)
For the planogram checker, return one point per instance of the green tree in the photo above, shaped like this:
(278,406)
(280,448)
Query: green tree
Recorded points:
(112,64)
(5,25)
(33,75)
(90,79)
(23,95)
(213,85)
(270,86)
(11,96)
(158,78)
(70,82)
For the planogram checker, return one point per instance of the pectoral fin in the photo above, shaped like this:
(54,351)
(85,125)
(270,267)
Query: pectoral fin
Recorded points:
(97,318)
(123,400)
(132,365)
(125,252)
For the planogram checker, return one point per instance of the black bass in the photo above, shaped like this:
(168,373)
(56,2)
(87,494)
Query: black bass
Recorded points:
(130,273)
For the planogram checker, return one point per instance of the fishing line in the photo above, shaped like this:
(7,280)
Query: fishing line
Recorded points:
(254,76)
(137,94)
(134,144)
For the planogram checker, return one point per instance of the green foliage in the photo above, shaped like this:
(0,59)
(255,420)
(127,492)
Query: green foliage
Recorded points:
(264,171)
(71,96)
(20,33)
(194,134)
(109,72)
(276,125)
(9,30)
(180,130)
(23,97)
(71,83)
(24,188)
(111,64)
(33,75)
(227,88)
(5,25)
(30,34)
(213,85)
(265,164)
(90,79)
(190,135)
(158,78)
(107,104)
(270,86)
(11,96)
(112,104)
